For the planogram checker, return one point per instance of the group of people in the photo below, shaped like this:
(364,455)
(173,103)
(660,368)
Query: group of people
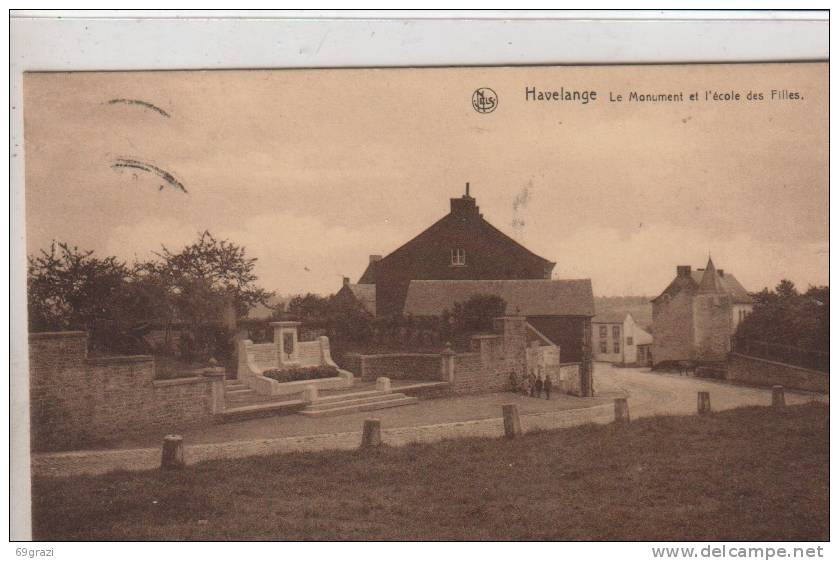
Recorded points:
(533,384)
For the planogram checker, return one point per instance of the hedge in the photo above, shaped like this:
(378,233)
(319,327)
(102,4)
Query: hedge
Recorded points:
(297,374)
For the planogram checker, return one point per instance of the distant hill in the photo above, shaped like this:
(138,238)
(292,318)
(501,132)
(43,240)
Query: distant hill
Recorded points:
(639,306)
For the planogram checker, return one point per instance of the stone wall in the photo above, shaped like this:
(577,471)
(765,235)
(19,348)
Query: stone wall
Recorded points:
(77,401)
(711,327)
(673,329)
(488,369)
(264,355)
(762,372)
(472,375)
(309,353)
(396,366)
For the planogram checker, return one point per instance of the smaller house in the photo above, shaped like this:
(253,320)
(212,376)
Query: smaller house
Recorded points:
(618,339)
(364,294)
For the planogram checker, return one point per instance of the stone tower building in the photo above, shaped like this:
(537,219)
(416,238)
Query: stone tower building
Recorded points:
(696,315)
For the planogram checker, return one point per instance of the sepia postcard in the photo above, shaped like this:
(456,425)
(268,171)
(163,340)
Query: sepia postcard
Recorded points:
(499,303)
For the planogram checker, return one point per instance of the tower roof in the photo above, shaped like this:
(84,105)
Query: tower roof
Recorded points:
(710,283)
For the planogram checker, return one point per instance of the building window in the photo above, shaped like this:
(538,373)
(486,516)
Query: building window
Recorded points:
(616,332)
(629,341)
(603,348)
(458,257)
(603,332)
(617,346)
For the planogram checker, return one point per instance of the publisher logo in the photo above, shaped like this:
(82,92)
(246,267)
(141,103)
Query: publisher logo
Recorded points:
(484,100)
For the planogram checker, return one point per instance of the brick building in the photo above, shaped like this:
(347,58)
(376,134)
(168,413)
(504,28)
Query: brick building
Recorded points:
(460,246)
(696,315)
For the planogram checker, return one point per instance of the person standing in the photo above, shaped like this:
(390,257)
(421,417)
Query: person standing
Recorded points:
(531,378)
(525,385)
(539,385)
(548,386)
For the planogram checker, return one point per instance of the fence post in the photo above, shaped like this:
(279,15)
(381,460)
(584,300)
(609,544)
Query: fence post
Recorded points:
(173,452)
(703,403)
(372,434)
(778,401)
(621,410)
(512,423)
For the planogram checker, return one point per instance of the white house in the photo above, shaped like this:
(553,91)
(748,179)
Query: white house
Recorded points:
(616,338)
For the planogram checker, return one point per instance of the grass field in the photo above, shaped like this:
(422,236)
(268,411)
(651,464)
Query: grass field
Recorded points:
(746,474)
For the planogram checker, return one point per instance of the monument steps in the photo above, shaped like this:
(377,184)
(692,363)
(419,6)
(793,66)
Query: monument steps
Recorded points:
(257,410)
(357,404)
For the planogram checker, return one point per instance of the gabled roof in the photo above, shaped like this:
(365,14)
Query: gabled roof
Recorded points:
(642,337)
(535,297)
(609,317)
(498,238)
(366,295)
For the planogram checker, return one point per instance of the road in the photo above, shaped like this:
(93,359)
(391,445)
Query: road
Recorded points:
(428,421)
(650,393)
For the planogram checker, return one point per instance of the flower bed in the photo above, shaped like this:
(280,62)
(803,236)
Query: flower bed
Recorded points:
(298,374)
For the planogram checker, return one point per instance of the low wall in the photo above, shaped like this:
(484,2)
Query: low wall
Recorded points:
(762,372)
(474,375)
(396,366)
(79,401)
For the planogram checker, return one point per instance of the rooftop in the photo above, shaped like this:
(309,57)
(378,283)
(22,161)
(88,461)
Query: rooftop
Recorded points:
(536,297)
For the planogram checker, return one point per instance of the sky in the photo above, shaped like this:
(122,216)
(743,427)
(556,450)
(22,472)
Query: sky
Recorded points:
(314,170)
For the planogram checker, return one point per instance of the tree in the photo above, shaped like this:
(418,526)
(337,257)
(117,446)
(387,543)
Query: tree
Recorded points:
(68,288)
(202,284)
(312,309)
(73,289)
(212,268)
(349,320)
(477,313)
(787,317)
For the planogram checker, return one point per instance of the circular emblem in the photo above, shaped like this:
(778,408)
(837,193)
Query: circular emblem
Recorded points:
(484,100)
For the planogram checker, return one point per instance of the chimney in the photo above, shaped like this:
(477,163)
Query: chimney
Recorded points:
(682,270)
(720,271)
(465,205)
(374,258)
(346,281)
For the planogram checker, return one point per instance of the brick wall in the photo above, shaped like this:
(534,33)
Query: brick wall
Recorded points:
(762,372)
(76,401)
(396,366)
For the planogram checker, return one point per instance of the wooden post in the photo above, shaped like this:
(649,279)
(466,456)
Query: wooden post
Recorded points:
(621,410)
(703,403)
(778,400)
(372,435)
(173,452)
(512,423)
